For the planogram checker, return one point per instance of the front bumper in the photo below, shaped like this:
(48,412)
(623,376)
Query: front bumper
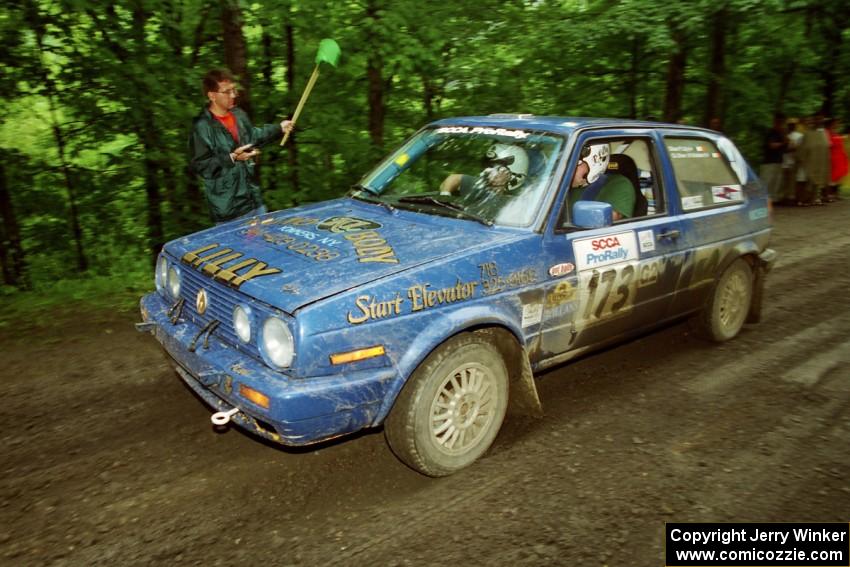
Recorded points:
(301,410)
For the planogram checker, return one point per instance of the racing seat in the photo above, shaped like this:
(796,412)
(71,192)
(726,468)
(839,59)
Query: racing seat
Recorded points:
(622,164)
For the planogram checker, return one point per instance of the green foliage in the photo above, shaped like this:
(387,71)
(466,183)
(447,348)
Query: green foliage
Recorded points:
(118,84)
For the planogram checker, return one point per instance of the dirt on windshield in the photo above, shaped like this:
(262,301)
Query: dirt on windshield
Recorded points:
(110,460)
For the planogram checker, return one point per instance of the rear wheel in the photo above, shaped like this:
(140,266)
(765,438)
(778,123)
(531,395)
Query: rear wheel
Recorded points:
(727,308)
(451,409)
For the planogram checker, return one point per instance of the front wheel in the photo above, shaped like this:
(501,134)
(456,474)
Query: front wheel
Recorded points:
(727,308)
(450,410)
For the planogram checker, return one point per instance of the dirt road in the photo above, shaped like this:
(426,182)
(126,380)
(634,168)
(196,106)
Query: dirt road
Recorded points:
(109,460)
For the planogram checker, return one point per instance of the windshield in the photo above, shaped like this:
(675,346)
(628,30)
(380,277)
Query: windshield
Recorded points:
(490,175)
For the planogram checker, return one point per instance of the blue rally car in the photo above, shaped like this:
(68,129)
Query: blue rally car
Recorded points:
(483,250)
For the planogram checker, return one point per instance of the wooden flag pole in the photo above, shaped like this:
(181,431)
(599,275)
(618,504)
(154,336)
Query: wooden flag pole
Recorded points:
(301,102)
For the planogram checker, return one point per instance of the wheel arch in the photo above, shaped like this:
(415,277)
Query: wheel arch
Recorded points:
(522,393)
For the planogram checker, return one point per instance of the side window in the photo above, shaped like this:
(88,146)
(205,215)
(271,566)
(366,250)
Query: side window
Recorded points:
(703,174)
(618,171)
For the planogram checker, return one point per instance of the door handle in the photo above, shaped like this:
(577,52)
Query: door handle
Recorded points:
(670,234)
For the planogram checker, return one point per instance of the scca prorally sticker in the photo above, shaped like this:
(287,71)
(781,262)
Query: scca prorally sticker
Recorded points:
(605,250)
(647,240)
(726,193)
(516,134)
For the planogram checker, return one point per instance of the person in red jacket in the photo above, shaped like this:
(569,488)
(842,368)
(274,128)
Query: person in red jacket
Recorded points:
(838,157)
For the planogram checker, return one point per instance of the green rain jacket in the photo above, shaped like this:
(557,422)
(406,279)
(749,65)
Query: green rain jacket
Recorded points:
(229,186)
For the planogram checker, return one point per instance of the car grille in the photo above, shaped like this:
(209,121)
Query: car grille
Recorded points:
(221,300)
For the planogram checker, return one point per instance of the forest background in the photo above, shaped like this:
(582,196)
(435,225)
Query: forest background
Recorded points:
(100,97)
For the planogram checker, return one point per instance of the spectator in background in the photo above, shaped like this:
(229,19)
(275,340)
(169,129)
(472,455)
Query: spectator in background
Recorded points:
(838,159)
(789,164)
(715,124)
(813,154)
(774,147)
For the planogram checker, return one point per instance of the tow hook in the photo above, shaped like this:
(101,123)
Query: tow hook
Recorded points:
(145,327)
(223,417)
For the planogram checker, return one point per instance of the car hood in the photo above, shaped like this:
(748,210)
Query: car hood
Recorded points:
(291,258)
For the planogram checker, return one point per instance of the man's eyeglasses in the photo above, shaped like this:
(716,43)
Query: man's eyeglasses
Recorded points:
(229,92)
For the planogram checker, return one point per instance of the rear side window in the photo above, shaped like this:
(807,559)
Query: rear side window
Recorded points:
(703,174)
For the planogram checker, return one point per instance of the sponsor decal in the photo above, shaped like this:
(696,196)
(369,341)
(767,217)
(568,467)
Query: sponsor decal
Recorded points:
(420,296)
(600,251)
(311,250)
(371,247)
(216,263)
(560,270)
(370,308)
(646,238)
(423,298)
(688,151)
(532,314)
(759,213)
(562,293)
(559,312)
(487,131)
(694,202)
(492,282)
(340,225)
(726,193)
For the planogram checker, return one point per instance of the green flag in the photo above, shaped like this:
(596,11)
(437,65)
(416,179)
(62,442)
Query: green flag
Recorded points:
(328,52)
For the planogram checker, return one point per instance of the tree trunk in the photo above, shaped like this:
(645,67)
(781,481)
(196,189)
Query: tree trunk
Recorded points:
(831,62)
(291,145)
(634,77)
(235,51)
(675,78)
(374,75)
(151,146)
(717,67)
(76,230)
(11,250)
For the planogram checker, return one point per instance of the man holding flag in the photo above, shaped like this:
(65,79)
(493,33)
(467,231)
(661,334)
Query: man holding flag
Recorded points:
(224,142)
(222,147)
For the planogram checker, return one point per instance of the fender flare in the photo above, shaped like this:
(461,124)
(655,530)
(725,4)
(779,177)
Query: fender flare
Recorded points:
(523,398)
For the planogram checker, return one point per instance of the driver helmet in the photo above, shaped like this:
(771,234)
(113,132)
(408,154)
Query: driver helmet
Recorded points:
(596,157)
(512,157)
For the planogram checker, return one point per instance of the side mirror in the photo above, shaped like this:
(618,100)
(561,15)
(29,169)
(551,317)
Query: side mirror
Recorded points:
(592,214)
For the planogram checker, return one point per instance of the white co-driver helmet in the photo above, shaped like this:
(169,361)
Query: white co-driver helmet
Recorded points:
(512,157)
(596,157)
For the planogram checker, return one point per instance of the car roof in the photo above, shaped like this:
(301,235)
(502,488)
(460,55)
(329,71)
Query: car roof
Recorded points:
(564,125)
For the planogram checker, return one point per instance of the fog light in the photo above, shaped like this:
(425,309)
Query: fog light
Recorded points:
(242,323)
(253,395)
(174,282)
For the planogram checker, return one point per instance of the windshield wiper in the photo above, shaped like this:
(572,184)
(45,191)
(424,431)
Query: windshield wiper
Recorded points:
(431,200)
(363,193)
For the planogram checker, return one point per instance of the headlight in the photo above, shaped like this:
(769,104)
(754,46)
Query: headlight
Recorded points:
(161,272)
(277,342)
(174,282)
(242,323)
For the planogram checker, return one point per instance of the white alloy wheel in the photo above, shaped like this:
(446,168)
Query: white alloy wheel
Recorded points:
(450,410)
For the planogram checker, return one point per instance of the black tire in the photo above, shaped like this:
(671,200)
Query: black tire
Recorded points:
(450,411)
(729,304)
